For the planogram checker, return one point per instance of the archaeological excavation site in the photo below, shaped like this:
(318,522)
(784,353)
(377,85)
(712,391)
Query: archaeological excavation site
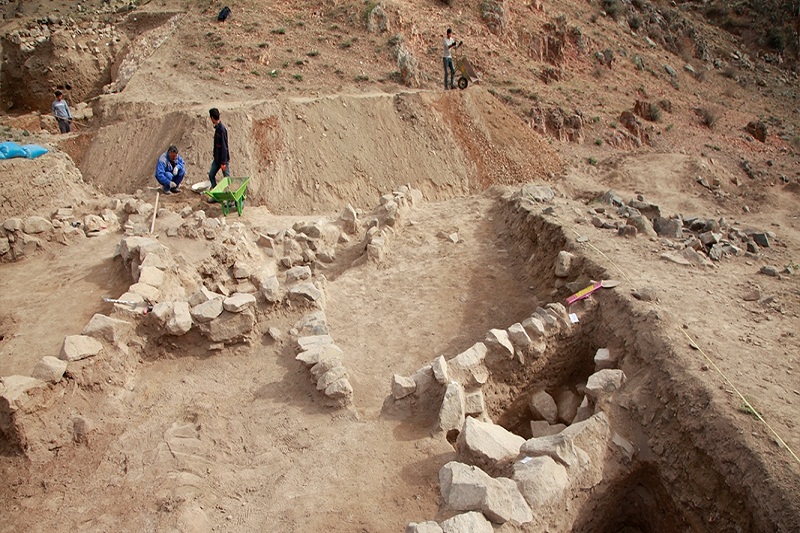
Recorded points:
(562,297)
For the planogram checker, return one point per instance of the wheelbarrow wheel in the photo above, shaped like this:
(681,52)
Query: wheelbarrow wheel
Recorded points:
(462,83)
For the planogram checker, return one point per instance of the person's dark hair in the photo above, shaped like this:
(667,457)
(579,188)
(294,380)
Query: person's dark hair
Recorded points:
(172,149)
(214,113)
(59,93)
(449,31)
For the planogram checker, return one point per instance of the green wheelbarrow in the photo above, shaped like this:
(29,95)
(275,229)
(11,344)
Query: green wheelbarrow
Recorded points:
(230,193)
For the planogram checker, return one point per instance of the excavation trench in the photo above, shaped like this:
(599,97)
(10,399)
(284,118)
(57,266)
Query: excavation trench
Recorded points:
(673,475)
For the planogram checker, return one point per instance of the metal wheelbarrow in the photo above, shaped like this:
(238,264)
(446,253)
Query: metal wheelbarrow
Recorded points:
(230,193)
(466,74)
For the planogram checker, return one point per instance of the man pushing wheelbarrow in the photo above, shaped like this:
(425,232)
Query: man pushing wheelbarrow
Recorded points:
(466,73)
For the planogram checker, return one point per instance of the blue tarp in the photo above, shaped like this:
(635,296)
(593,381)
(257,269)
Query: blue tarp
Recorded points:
(34,150)
(10,150)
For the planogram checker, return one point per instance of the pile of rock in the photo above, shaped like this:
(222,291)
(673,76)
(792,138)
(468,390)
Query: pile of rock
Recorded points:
(323,358)
(21,236)
(696,240)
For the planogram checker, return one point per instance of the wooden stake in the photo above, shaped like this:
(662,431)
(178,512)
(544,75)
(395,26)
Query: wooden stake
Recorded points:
(155,211)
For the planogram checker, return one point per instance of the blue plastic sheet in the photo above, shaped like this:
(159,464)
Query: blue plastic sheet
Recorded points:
(11,149)
(34,150)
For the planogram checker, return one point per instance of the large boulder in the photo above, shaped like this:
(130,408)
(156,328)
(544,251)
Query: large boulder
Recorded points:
(36,224)
(468,368)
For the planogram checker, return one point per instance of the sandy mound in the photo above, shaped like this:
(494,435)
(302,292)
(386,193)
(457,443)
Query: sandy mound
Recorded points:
(41,185)
(319,154)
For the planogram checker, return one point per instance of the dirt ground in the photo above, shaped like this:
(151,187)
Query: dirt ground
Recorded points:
(185,438)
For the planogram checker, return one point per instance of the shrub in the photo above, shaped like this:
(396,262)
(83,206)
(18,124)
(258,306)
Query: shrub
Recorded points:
(592,161)
(298,77)
(708,116)
(598,142)
(313,53)
(635,22)
(776,39)
(612,8)
(279,31)
(362,77)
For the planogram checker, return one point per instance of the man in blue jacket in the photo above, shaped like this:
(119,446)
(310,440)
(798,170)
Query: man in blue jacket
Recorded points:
(221,156)
(170,170)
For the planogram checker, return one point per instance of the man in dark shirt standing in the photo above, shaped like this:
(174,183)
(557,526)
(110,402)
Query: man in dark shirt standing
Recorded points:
(221,155)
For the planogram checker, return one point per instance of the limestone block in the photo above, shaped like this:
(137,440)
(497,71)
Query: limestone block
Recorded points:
(402,386)
(521,512)
(229,327)
(13,224)
(151,276)
(541,480)
(340,390)
(604,382)
(467,367)
(519,337)
(36,224)
(148,292)
(270,289)
(298,273)
(162,311)
(468,488)
(474,403)
(264,271)
(305,292)
(498,340)
(242,270)
(238,302)
(585,410)
(49,368)
(603,359)
(334,374)
(563,264)
(202,296)
(109,329)
(568,403)
(472,522)
(327,361)
(451,413)
(310,341)
(15,395)
(424,527)
(439,367)
(543,407)
(77,347)
(485,444)
(533,327)
(181,320)
(207,311)
(560,447)
(314,323)
(542,428)
(314,354)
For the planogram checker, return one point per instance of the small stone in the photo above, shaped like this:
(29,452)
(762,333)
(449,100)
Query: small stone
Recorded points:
(402,386)
(563,264)
(760,239)
(77,347)
(645,294)
(752,296)
(238,302)
(769,270)
(627,231)
(49,368)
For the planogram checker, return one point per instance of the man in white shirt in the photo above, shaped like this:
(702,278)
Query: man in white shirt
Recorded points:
(447,59)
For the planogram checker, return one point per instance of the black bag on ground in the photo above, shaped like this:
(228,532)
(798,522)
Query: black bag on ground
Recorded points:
(224,14)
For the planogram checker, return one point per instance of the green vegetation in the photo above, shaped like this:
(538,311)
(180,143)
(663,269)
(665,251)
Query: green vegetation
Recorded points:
(592,161)
(598,142)
(313,53)
(298,77)
(279,31)
(362,77)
